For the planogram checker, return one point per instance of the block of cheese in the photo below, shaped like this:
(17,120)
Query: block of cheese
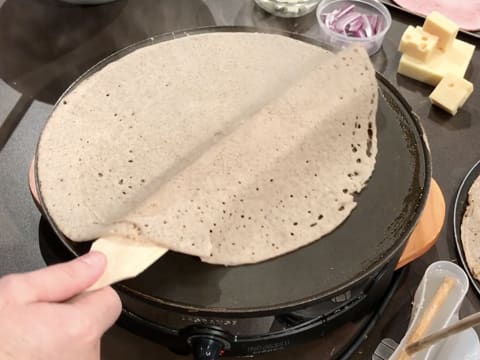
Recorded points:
(441,26)
(451,93)
(417,43)
(453,61)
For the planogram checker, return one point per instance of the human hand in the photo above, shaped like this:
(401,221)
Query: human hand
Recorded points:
(45,316)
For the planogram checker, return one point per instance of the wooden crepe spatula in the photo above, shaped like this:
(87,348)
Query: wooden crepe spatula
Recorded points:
(140,254)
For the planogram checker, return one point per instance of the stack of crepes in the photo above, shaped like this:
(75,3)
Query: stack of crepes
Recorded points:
(470,229)
(234,147)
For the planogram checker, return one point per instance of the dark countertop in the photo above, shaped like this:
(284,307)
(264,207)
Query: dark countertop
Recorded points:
(45,45)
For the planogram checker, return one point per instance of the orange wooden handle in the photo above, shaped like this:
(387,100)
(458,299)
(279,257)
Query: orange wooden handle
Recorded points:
(428,227)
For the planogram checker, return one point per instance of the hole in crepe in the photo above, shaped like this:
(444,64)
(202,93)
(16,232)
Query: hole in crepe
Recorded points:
(273,244)
(295,223)
(211,231)
(354,148)
(271,180)
(124,193)
(242,216)
(355,173)
(107,94)
(143,180)
(130,161)
(257,189)
(145,225)
(164,222)
(345,191)
(341,97)
(343,123)
(115,114)
(64,102)
(233,244)
(309,211)
(320,217)
(253,252)
(307,161)
(359,160)
(292,234)
(341,208)
(291,195)
(370,133)
(313,225)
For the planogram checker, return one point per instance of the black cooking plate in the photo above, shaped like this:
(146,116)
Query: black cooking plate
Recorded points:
(373,235)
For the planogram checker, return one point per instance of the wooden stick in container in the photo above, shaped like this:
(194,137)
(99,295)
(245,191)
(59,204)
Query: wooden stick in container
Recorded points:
(461,325)
(428,315)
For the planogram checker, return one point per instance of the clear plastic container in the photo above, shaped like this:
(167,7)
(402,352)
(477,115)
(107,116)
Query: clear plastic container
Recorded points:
(288,8)
(368,7)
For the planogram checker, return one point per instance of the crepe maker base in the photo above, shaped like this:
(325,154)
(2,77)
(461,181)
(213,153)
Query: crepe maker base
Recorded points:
(337,333)
(332,338)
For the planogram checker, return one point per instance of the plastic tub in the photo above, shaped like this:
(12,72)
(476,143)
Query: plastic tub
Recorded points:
(288,8)
(369,7)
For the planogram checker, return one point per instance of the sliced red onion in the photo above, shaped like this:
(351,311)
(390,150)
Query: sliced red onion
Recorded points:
(347,21)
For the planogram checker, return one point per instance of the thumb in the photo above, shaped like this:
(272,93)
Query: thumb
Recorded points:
(62,281)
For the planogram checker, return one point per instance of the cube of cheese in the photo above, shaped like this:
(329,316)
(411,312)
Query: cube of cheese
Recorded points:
(454,61)
(441,26)
(451,93)
(417,43)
